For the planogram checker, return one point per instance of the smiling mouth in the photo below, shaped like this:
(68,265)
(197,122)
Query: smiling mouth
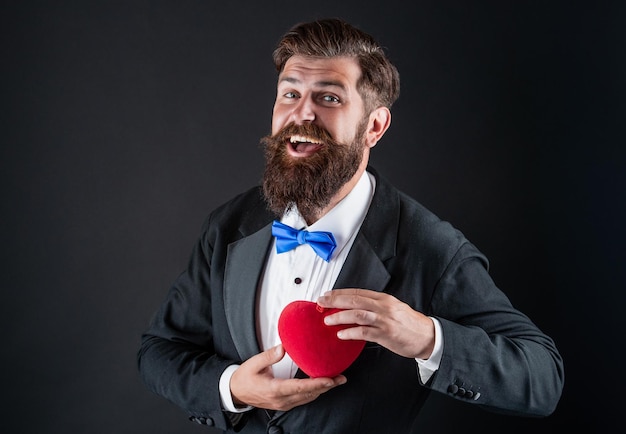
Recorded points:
(302,146)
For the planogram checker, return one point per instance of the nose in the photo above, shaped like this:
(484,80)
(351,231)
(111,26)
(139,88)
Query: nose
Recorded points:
(303,112)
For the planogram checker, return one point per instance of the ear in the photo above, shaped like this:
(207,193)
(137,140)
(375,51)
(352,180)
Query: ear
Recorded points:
(379,121)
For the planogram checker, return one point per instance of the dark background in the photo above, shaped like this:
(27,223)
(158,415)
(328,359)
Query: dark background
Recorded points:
(124,123)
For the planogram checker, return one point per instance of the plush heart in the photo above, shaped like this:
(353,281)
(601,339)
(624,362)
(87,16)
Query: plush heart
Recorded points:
(313,345)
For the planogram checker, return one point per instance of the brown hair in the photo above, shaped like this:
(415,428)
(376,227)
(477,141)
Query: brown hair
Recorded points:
(379,84)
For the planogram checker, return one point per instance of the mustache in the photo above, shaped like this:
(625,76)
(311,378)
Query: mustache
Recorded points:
(309,130)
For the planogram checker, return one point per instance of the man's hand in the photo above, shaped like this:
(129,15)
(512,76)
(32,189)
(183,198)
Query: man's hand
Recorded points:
(253,384)
(381,318)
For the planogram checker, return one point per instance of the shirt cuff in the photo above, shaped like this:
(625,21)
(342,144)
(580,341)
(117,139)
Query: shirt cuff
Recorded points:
(427,367)
(225,395)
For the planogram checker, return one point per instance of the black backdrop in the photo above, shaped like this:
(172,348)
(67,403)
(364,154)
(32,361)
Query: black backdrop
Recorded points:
(125,122)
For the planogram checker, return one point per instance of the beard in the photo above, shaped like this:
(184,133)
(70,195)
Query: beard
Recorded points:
(309,182)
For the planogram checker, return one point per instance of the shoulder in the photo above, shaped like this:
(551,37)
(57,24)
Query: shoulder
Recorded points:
(245,213)
(409,213)
(241,203)
(418,229)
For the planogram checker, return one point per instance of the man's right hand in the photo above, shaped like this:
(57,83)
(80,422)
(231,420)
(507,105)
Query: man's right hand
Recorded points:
(253,384)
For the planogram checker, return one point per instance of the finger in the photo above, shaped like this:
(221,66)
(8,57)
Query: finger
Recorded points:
(311,388)
(352,316)
(359,334)
(267,358)
(295,392)
(275,354)
(367,293)
(351,299)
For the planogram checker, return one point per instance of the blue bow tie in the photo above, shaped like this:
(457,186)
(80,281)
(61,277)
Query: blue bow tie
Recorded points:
(288,238)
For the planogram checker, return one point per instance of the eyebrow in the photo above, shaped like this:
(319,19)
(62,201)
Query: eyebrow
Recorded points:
(321,83)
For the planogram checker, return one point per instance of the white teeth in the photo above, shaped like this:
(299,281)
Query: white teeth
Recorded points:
(303,139)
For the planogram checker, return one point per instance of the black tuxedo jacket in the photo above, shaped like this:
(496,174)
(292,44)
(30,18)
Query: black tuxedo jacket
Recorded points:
(494,356)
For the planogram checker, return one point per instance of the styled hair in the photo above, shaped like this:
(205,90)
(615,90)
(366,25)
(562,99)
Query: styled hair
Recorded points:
(379,84)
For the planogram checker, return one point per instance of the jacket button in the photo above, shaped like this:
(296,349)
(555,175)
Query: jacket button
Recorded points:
(202,420)
(274,429)
(461,391)
(453,389)
(476,396)
(469,394)
(198,420)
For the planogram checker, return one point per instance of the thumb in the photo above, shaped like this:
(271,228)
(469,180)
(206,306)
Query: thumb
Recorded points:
(275,354)
(264,360)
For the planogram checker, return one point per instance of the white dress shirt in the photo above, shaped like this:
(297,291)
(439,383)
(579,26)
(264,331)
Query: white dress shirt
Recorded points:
(300,274)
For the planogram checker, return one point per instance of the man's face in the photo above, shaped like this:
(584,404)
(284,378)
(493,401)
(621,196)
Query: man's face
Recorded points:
(317,146)
(321,91)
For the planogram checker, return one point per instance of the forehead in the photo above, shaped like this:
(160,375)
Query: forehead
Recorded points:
(341,71)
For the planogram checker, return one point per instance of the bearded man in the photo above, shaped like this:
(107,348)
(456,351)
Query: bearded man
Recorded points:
(407,283)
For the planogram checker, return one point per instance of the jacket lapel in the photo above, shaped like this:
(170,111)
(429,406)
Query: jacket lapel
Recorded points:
(363,268)
(375,243)
(240,287)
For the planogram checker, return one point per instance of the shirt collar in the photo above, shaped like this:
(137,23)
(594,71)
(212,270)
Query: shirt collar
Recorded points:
(345,218)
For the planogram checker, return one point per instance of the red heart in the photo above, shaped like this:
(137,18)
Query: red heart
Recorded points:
(313,345)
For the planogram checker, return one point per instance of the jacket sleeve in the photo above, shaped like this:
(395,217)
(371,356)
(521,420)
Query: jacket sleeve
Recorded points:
(493,356)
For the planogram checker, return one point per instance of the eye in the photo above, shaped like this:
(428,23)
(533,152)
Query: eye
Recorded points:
(290,95)
(330,98)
